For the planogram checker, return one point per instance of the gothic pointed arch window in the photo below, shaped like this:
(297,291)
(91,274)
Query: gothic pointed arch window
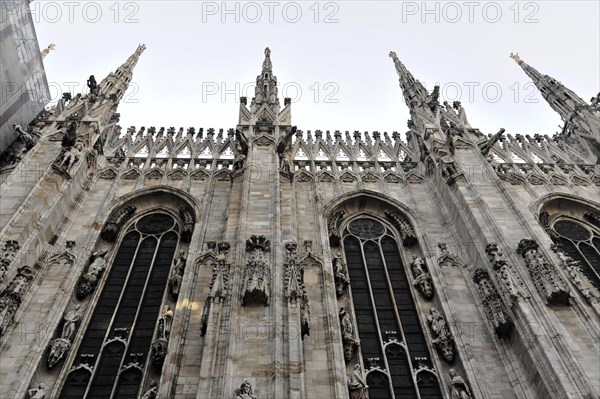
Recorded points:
(579,237)
(392,342)
(126,338)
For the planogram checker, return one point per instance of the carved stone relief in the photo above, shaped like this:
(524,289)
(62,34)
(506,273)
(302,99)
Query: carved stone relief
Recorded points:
(422,279)
(61,345)
(492,304)
(7,254)
(89,280)
(406,231)
(340,275)
(113,226)
(12,296)
(512,285)
(295,291)
(245,391)
(177,274)
(357,388)
(188,223)
(334,228)
(546,278)
(219,283)
(256,281)
(158,348)
(443,340)
(572,268)
(458,387)
(349,340)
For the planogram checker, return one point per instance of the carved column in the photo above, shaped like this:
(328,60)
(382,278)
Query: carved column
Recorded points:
(492,304)
(546,278)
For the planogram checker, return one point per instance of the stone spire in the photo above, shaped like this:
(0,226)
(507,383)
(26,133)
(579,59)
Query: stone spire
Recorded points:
(415,94)
(116,83)
(266,87)
(579,117)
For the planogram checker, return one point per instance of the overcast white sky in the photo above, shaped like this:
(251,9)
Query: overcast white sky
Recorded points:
(331,58)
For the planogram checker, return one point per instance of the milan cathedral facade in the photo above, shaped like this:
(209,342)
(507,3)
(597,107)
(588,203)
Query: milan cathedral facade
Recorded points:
(264,261)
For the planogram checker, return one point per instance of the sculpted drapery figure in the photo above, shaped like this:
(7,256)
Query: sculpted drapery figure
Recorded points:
(458,387)
(284,149)
(88,281)
(349,339)
(245,391)
(71,319)
(38,393)
(422,281)
(356,385)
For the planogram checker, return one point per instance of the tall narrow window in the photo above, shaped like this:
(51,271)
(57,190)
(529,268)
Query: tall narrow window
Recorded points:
(581,241)
(387,319)
(114,352)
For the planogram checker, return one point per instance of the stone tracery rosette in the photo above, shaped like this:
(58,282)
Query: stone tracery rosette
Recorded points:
(546,278)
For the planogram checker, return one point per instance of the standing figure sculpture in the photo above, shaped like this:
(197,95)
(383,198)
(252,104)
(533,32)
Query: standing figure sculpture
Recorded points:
(240,150)
(70,157)
(165,322)
(458,387)
(284,149)
(71,319)
(92,85)
(356,384)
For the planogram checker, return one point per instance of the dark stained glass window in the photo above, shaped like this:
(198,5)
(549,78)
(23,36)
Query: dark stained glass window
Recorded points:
(383,304)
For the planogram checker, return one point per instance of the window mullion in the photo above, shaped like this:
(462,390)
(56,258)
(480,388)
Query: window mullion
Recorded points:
(374,307)
(137,312)
(398,320)
(112,320)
